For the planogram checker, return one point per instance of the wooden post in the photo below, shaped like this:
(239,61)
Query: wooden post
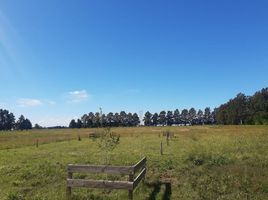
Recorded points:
(167,140)
(69,189)
(161,148)
(130,192)
(36,143)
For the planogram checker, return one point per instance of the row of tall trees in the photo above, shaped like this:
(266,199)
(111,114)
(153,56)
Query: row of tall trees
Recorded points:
(163,118)
(169,118)
(240,110)
(8,121)
(92,120)
(245,109)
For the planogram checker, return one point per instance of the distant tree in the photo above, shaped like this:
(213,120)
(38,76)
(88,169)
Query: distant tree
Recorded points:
(23,124)
(169,118)
(244,109)
(213,116)
(176,117)
(37,126)
(117,120)
(135,119)
(90,120)
(103,120)
(123,118)
(162,118)
(7,120)
(221,115)
(155,119)
(84,120)
(200,117)
(192,116)
(72,124)
(110,119)
(79,123)
(97,120)
(147,119)
(258,108)
(207,114)
(129,120)
(184,116)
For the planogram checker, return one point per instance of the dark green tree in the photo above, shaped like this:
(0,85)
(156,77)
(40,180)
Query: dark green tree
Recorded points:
(169,118)
(184,116)
(147,119)
(155,119)
(176,117)
(162,118)
(72,124)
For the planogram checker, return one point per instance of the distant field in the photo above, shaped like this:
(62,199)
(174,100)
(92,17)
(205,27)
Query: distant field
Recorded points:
(202,162)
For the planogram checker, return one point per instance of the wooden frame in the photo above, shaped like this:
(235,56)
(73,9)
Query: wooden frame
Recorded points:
(129,185)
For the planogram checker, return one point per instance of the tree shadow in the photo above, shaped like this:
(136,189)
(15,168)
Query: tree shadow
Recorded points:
(168,192)
(156,189)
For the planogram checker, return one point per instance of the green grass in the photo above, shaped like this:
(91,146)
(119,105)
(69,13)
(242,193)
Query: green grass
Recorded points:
(210,162)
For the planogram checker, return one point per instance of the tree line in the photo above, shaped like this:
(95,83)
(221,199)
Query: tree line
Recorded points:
(8,121)
(191,117)
(93,120)
(242,109)
(185,117)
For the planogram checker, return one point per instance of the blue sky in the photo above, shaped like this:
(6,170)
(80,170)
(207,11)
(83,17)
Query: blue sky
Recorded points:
(61,59)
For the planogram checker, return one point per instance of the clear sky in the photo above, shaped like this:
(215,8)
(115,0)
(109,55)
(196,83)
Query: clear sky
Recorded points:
(61,59)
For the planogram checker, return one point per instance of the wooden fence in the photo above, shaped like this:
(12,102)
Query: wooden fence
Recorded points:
(129,185)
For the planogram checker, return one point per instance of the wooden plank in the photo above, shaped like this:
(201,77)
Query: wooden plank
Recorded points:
(75,183)
(125,170)
(139,178)
(141,164)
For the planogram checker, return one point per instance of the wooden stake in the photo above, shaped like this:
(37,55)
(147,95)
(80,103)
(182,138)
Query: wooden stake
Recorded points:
(161,148)
(130,192)
(69,189)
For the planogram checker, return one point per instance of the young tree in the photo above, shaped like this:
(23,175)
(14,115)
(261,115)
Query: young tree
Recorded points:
(107,143)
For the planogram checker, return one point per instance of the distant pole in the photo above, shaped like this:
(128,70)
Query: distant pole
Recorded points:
(161,148)
(101,116)
(167,138)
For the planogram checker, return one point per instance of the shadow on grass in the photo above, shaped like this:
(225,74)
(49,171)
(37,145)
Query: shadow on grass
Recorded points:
(167,193)
(156,189)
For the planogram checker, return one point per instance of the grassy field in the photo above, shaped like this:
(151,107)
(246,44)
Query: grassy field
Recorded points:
(210,162)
